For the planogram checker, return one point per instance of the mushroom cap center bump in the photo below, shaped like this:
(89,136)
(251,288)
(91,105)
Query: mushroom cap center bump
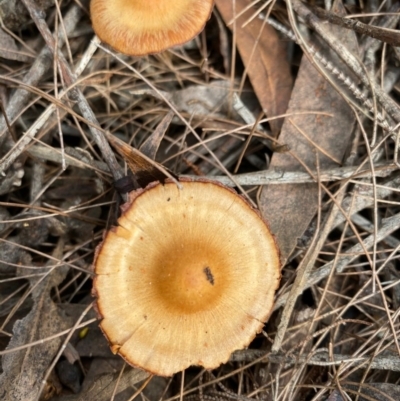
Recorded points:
(191,278)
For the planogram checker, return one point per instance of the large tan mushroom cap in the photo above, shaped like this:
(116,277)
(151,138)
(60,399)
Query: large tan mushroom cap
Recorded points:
(187,277)
(139,27)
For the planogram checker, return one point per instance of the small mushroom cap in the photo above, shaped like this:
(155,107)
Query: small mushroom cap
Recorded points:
(187,277)
(140,27)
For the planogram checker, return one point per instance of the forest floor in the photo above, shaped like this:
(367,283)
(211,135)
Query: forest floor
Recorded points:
(293,105)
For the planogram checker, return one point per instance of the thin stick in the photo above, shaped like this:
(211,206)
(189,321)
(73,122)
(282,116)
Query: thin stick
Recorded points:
(390,36)
(75,92)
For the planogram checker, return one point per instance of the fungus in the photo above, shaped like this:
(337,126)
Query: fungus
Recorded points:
(140,27)
(187,277)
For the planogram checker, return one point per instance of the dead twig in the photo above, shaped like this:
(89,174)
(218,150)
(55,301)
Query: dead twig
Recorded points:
(75,92)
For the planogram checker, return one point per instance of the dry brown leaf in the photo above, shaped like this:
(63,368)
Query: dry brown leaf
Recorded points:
(9,49)
(23,370)
(144,169)
(204,101)
(15,15)
(103,387)
(266,63)
(208,105)
(290,208)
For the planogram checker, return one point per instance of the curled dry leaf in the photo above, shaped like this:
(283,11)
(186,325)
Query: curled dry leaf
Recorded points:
(203,102)
(144,169)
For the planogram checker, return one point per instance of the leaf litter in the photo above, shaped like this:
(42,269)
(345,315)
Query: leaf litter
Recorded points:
(319,156)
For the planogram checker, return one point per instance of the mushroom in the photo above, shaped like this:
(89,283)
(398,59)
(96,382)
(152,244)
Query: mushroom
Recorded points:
(187,277)
(140,27)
